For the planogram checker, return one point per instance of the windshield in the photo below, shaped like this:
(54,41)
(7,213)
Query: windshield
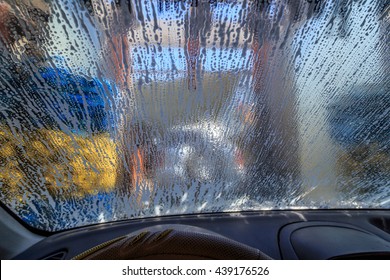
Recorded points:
(112,110)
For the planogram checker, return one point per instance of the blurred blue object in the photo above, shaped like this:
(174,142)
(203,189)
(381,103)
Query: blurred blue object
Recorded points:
(81,104)
(362,117)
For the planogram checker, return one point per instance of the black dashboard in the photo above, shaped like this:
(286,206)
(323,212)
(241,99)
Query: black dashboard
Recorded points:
(297,234)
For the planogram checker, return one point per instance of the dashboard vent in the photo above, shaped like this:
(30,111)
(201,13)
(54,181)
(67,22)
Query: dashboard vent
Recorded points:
(56,256)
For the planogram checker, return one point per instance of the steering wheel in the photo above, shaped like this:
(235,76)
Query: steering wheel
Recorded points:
(167,242)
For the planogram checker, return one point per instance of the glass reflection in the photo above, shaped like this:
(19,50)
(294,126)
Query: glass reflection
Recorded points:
(119,109)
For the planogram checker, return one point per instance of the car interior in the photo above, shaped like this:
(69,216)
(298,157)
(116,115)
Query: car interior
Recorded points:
(194,129)
(291,235)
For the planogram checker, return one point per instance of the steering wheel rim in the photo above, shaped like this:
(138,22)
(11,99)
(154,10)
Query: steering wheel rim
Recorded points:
(172,242)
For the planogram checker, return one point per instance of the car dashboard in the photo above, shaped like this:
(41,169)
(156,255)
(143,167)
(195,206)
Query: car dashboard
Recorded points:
(280,234)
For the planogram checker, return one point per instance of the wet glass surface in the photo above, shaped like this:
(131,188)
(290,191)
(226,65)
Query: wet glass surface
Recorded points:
(112,110)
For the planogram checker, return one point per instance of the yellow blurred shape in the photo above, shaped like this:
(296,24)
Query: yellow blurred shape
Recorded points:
(7,150)
(363,159)
(52,160)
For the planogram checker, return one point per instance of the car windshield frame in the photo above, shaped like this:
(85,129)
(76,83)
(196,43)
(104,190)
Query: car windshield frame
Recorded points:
(116,110)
